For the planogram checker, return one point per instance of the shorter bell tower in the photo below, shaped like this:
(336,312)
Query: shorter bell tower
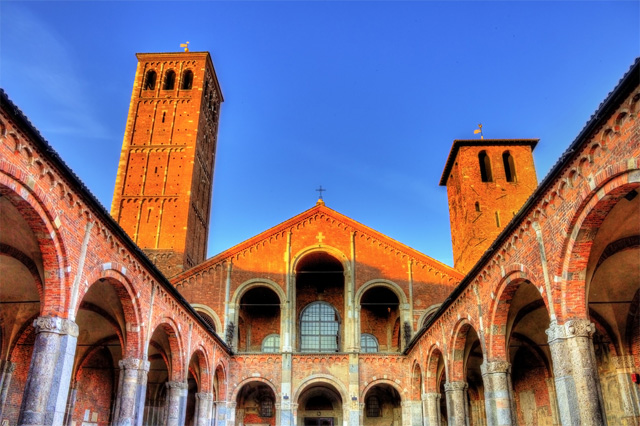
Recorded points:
(163,190)
(487,182)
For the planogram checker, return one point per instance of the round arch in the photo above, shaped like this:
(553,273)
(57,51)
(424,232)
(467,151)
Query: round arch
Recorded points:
(427,313)
(257,282)
(457,343)
(170,328)
(344,260)
(248,380)
(315,379)
(200,354)
(395,288)
(211,313)
(378,382)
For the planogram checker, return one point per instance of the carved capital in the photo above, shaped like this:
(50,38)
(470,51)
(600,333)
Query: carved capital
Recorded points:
(571,328)
(7,367)
(495,367)
(205,396)
(131,364)
(431,396)
(455,386)
(56,325)
(622,362)
(176,385)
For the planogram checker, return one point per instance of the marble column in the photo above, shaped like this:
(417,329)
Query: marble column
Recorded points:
(203,408)
(176,403)
(6,371)
(498,393)
(629,391)
(47,387)
(575,373)
(457,407)
(431,402)
(71,403)
(129,405)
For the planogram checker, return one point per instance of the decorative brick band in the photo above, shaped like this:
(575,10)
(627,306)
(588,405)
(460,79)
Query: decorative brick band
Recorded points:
(55,325)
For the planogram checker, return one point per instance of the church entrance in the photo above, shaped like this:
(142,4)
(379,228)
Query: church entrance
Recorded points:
(318,421)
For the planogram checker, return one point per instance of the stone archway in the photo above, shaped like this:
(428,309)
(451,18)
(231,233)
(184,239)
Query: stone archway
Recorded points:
(320,403)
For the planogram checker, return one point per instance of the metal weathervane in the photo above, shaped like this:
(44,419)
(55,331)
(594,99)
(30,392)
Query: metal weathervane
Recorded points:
(476,131)
(185,45)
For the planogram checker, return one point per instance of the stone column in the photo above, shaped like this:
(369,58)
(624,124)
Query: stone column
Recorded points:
(129,410)
(203,408)
(47,387)
(176,403)
(498,393)
(412,413)
(629,392)
(230,413)
(221,413)
(431,402)
(6,371)
(351,412)
(575,373)
(457,407)
(284,411)
(71,403)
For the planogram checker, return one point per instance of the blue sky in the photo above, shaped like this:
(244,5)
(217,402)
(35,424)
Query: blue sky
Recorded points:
(363,98)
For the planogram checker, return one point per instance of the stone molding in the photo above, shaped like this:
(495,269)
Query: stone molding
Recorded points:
(570,329)
(431,396)
(205,396)
(455,386)
(495,367)
(49,324)
(176,385)
(622,362)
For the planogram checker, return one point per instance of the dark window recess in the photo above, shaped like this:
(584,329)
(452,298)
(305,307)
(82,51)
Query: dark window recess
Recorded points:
(485,167)
(509,166)
(169,80)
(187,80)
(150,80)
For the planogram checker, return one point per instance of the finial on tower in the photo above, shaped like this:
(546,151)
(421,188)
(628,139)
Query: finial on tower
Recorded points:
(185,45)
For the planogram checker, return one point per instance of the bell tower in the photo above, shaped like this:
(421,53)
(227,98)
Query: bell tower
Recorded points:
(163,190)
(487,182)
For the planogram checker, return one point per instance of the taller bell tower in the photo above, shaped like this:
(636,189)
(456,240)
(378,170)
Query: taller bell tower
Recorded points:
(487,181)
(163,190)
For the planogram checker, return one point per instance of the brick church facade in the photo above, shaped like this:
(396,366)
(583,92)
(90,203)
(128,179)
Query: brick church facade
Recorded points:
(119,318)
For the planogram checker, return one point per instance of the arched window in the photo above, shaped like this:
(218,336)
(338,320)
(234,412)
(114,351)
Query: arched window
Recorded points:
(169,80)
(271,343)
(509,166)
(187,80)
(368,343)
(150,80)
(319,328)
(485,167)
(207,319)
(373,407)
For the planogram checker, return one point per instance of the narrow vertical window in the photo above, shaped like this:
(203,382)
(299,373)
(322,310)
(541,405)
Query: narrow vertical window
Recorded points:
(498,219)
(150,80)
(485,167)
(164,114)
(187,80)
(169,80)
(509,166)
(477,206)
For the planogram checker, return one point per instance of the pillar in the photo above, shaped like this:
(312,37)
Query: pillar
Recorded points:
(431,402)
(407,414)
(6,371)
(457,407)
(71,403)
(629,391)
(575,373)
(176,403)
(131,392)
(203,408)
(47,387)
(351,411)
(221,413)
(498,393)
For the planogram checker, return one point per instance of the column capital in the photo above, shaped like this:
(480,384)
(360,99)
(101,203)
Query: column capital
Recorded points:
(571,328)
(231,405)
(133,364)
(492,367)
(176,385)
(204,396)
(431,396)
(455,386)
(7,367)
(49,324)
(622,362)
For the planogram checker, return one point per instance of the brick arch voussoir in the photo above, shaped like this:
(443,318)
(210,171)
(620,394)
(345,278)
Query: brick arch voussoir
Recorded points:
(610,185)
(202,358)
(515,275)
(176,345)
(38,211)
(126,292)
(378,382)
(248,381)
(431,376)
(457,343)
(220,377)
(416,393)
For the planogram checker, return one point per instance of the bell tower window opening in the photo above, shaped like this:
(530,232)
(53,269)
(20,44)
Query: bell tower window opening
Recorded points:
(169,80)
(187,80)
(485,167)
(319,328)
(509,166)
(150,80)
